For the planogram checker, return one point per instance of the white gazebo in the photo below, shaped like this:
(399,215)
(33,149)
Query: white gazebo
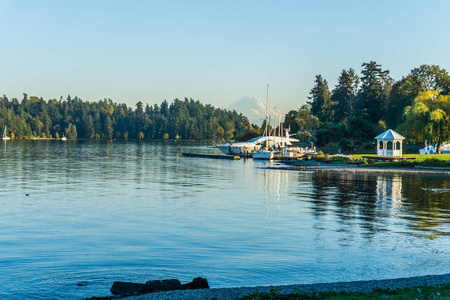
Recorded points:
(389,143)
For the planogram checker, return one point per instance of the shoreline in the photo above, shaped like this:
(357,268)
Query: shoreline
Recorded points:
(322,167)
(348,286)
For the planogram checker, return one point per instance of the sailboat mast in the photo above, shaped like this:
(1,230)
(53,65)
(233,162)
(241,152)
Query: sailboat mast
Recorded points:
(267,107)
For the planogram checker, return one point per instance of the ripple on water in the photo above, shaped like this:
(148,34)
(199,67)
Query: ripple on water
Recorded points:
(100,212)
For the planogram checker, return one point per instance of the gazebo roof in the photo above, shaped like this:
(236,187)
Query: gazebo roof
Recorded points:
(389,135)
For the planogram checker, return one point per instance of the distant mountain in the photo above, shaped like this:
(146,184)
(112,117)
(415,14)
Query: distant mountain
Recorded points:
(255,110)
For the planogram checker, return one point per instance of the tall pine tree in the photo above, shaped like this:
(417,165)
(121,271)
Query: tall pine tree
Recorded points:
(344,95)
(321,105)
(376,85)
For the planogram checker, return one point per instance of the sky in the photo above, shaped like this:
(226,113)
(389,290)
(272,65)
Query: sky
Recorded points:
(216,52)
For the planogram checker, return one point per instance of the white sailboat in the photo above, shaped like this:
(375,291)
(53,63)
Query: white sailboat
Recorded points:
(265,153)
(250,146)
(258,147)
(5,137)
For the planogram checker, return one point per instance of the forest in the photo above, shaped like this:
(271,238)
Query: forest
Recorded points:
(357,109)
(33,117)
(361,106)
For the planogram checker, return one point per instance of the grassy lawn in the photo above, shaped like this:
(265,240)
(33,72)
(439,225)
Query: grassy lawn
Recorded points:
(416,157)
(427,292)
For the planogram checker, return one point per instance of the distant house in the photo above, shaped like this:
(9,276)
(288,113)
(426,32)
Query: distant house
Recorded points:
(389,143)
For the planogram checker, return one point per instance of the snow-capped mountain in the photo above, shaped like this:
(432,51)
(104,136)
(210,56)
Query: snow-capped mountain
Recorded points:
(255,110)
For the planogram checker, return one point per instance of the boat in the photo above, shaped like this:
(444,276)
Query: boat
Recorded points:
(5,137)
(267,151)
(445,150)
(261,147)
(432,149)
(63,138)
(248,148)
(263,154)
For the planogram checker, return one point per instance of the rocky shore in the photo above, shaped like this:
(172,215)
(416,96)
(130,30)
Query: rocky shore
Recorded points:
(354,286)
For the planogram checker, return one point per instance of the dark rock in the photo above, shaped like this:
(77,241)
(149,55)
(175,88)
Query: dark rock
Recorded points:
(120,288)
(197,283)
(154,286)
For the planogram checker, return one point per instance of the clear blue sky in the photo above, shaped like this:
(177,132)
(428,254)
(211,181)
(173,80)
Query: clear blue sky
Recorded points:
(213,51)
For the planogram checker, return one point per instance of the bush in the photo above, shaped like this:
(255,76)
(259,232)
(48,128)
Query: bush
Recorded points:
(434,162)
(345,144)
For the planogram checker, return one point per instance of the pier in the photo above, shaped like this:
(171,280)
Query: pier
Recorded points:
(238,157)
(216,156)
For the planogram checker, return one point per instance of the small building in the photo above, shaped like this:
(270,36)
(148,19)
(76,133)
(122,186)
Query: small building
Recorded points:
(389,143)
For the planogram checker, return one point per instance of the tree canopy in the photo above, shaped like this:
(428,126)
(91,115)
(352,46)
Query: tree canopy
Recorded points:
(33,117)
(428,118)
(302,122)
(360,107)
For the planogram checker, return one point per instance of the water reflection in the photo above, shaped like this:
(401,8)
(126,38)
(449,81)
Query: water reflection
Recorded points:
(275,185)
(124,210)
(374,203)
(389,192)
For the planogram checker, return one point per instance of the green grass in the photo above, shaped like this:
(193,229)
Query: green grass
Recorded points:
(416,157)
(426,292)
(332,160)
(412,160)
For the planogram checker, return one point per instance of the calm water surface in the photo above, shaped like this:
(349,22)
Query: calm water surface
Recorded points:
(99,212)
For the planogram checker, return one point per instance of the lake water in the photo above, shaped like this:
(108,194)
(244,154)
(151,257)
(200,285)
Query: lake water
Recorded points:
(77,216)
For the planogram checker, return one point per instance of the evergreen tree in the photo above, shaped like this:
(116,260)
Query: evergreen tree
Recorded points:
(321,105)
(344,95)
(75,118)
(109,127)
(376,86)
(89,127)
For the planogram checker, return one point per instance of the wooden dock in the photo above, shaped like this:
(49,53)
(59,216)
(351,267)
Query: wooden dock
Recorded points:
(216,156)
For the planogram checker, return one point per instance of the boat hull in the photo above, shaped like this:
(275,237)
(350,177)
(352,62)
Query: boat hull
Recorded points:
(263,154)
(237,149)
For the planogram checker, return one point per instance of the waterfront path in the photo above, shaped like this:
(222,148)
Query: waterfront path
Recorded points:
(350,287)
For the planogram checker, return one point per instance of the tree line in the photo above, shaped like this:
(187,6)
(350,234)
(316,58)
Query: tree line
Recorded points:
(358,108)
(363,105)
(33,117)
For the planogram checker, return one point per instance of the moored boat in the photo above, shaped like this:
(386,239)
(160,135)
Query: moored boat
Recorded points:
(263,154)
(249,147)
(261,147)
(432,149)
(5,137)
